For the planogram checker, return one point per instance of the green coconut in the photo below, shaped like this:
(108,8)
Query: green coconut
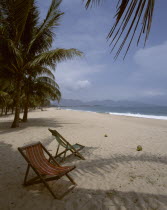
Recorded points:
(139,148)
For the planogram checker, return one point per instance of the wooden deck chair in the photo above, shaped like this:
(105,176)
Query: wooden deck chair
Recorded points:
(45,169)
(68,147)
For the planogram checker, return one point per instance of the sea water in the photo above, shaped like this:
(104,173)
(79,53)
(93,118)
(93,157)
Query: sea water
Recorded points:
(154,112)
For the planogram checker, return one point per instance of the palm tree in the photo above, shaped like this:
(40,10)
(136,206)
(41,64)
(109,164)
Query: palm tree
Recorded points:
(29,81)
(128,16)
(3,100)
(39,88)
(46,90)
(6,91)
(26,43)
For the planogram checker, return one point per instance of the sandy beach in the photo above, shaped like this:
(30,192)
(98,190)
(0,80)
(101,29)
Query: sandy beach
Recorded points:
(113,176)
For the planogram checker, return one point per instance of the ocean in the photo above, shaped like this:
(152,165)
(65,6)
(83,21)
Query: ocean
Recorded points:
(154,112)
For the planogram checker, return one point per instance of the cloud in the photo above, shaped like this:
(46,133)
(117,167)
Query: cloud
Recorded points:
(151,66)
(76,74)
(83,83)
(153,58)
(153,93)
(142,76)
(74,85)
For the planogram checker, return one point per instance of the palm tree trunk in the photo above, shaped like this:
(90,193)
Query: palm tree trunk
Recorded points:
(26,105)
(2,111)
(12,109)
(6,110)
(15,123)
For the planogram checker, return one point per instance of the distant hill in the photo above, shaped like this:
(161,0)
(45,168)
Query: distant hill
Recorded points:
(107,103)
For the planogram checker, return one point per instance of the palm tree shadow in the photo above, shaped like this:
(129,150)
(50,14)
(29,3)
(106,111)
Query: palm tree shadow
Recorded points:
(118,200)
(106,164)
(32,122)
(13,168)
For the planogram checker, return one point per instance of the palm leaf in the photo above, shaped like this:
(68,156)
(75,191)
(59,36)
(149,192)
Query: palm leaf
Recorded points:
(45,71)
(128,16)
(15,52)
(9,50)
(53,56)
(47,80)
(92,2)
(20,10)
(30,26)
(44,89)
(49,23)
(4,97)
(40,71)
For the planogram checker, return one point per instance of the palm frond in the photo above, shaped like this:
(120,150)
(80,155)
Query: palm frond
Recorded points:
(41,43)
(45,71)
(30,25)
(53,56)
(50,22)
(3,94)
(20,10)
(8,49)
(47,80)
(92,3)
(53,13)
(4,98)
(44,89)
(128,16)
(15,52)
(40,70)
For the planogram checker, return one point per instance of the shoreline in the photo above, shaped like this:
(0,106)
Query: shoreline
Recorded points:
(114,175)
(137,115)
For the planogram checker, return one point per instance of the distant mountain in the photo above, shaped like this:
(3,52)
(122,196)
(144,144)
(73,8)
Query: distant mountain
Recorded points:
(68,102)
(107,103)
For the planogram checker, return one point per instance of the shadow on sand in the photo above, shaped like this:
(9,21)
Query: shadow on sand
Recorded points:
(32,122)
(14,196)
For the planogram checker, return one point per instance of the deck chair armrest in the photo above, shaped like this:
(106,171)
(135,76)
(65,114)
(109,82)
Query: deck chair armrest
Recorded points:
(80,145)
(69,145)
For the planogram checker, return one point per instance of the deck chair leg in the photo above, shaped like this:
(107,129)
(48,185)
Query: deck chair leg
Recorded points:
(27,171)
(73,152)
(36,159)
(79,155)
(69,177)
(60,153)
(57,150)
(44,182)
(64,155)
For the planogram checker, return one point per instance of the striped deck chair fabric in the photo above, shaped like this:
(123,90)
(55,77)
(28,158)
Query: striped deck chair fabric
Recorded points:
(75,148)
(46,169)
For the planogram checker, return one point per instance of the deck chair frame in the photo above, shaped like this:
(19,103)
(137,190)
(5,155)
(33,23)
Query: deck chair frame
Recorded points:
(68,147)
(43,178)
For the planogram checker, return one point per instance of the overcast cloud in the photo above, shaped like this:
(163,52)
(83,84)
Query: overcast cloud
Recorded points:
(142,76)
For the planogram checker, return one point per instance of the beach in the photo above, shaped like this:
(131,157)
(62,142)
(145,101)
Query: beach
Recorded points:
(114,175)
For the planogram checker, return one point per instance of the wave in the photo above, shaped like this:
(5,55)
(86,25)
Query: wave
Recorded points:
(124,114)
(80,110)
(139,115)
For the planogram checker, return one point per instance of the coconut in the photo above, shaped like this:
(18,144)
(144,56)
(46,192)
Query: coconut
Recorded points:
(139,148)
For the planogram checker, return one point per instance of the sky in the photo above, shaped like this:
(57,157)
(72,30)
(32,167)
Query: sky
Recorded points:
(142,76)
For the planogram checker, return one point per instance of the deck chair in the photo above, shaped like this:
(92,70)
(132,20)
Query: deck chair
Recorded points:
(68,147)
(45,169)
